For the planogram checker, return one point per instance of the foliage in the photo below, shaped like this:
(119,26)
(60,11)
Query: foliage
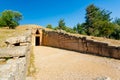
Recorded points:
(117,21)
(10,18)
(61,24)
(80,28)
(49,26)
(31,65)
(68,29)
(98,22)
(116,33)
(103,29)
(2,22)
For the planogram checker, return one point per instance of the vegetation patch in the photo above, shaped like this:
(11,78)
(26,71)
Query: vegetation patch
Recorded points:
(98,22)
(7,33)
(31,65)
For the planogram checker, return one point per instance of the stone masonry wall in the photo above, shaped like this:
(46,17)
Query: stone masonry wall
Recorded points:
(15,58)
(80,44)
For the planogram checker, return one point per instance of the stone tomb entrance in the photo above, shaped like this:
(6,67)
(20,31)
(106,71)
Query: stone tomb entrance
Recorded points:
(37,41)
(36,36)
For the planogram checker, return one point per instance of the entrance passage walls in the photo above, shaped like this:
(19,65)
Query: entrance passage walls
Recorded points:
(79,43)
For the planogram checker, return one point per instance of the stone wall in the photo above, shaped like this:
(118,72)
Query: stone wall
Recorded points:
(80,44)
(14,59)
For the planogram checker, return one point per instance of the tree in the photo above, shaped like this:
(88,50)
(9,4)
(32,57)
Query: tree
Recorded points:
(116,33)
(2,22)
(49,26)
(117,21)
(75,29)
(68,29)
(79,28)
(11,18)
(61,24)
(98,21)
(91,12)
(105,29)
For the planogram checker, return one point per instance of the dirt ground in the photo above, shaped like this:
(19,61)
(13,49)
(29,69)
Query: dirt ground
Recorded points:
(57,64)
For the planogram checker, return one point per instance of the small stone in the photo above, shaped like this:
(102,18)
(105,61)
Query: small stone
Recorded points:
(103,78)
(2,60)
(15,57)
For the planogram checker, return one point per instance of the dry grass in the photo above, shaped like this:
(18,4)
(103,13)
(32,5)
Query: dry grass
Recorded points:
(31,65)
(111,42)
(6,33)
(2,61)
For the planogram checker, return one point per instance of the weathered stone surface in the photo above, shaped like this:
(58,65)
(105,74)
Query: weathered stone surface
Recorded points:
(24,44)
(14,40)
(15,69)
(2,60)
(14,51)
(29,78)
(80,43)
(103,78)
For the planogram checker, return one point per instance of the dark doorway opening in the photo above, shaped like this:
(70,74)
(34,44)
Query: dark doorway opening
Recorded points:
(37,32)
(37,41)
(17,44)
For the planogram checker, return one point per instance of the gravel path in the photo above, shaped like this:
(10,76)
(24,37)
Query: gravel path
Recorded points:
(58,64)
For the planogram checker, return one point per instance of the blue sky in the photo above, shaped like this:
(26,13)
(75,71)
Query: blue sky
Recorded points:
(43,12)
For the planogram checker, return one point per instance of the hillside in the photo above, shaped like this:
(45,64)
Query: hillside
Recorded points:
(53,63)
(7,33)
(22,29)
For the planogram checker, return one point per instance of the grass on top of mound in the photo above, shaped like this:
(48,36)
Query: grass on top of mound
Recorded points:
(7,33)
